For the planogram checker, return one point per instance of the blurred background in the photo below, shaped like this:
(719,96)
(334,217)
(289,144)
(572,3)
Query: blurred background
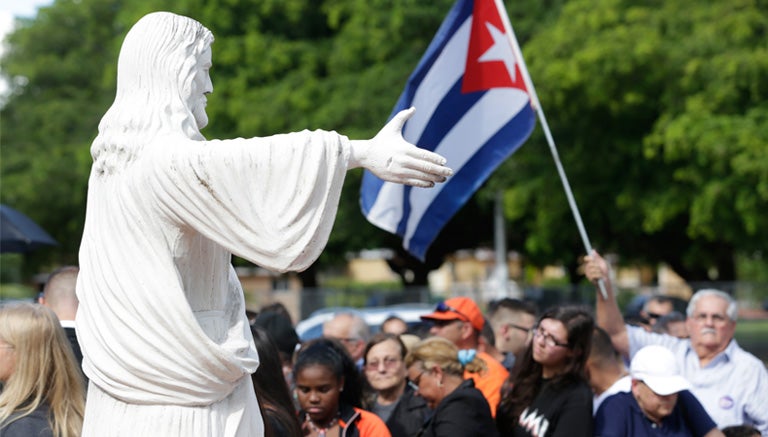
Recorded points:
(659,110)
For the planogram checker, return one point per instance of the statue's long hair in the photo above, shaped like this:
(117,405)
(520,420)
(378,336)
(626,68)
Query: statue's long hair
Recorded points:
(155,70)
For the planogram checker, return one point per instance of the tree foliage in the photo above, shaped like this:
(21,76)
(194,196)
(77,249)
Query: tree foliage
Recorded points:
(56,66)
(659,110)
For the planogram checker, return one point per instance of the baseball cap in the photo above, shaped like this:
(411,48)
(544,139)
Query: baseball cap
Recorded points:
(657,367)
(458,308)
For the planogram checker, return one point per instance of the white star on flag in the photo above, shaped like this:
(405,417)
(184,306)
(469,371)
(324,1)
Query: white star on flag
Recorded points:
(501,50)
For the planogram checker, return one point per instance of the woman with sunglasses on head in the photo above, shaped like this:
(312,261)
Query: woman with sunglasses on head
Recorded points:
(329,394)
(549,394)
(436,370)
(393,399)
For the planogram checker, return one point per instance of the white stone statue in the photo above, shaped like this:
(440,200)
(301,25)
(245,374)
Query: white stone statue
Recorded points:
(161,321)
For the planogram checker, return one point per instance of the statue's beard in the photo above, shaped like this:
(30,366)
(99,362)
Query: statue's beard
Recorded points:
(201,118)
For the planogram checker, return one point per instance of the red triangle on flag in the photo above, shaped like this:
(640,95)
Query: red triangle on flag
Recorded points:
(491,61)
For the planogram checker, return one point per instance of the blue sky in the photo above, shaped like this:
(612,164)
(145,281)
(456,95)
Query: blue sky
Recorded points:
(22,8)
(15,8)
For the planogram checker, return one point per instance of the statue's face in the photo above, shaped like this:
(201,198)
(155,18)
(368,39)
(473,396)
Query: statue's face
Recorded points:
(201,86)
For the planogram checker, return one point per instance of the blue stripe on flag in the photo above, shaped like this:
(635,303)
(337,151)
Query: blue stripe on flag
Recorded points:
(447,114)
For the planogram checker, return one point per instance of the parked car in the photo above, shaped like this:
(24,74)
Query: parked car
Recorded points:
(312,326)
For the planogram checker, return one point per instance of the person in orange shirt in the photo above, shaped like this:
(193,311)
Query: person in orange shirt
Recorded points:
(460,320)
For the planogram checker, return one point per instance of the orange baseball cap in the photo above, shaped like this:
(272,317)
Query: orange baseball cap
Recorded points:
(458,308)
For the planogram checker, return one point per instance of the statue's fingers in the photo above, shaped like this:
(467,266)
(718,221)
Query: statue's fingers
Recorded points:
(398,121)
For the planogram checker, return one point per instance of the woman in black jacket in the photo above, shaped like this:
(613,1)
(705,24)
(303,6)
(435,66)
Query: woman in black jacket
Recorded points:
(435,369)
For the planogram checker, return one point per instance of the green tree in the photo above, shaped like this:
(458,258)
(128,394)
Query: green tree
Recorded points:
(55,65)
(659,109)
(278,66)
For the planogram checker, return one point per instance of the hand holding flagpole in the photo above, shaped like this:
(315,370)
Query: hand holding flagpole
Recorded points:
(548,134)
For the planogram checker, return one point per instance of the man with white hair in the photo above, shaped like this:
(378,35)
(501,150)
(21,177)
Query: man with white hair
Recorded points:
(352,331)
(731,383)
(658,405)
(162,320)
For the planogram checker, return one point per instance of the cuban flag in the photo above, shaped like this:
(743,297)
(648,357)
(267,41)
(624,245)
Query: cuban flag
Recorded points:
(472,106)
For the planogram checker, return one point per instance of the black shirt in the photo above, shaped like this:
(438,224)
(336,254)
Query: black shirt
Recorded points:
(563,410)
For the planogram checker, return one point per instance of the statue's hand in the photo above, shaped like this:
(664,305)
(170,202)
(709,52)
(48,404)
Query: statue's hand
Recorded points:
(390,157)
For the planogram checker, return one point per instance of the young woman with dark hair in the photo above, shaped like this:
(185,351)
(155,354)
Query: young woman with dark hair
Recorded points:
(329,393)
(549,394)
(280,419)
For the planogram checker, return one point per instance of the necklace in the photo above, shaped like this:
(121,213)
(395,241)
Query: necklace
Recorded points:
(322,431)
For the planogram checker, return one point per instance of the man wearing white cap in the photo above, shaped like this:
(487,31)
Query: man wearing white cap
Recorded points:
(659,404)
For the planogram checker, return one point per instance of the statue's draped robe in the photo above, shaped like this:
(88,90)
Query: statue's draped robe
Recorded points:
(166,343)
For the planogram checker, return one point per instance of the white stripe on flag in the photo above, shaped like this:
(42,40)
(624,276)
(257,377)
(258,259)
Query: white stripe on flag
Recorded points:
(457,148)
(387,211)
(388,207)
(445,71)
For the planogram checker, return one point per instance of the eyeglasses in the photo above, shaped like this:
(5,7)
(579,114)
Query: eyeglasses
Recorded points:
(346,340)
(549,339)
(444,323)
(414,384)
(653,315)
(388,362)
(522,328)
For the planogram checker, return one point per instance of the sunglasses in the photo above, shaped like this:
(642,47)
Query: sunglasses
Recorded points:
(443,323)
(653,315)
(442,307)
(416,381)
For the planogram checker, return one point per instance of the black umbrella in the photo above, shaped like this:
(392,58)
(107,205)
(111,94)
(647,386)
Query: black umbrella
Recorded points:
(18,233)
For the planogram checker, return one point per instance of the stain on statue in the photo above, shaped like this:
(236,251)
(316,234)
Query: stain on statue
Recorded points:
(162,323)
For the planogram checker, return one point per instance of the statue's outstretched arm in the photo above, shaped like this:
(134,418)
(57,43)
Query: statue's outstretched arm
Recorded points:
(390,157)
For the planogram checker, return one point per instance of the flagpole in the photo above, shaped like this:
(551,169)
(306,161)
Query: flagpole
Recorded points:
(544,125)
(501,272)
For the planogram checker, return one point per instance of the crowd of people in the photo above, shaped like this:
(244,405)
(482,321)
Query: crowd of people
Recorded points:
(509,371)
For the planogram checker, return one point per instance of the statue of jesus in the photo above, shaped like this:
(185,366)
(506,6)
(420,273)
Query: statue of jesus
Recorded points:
(162,324)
